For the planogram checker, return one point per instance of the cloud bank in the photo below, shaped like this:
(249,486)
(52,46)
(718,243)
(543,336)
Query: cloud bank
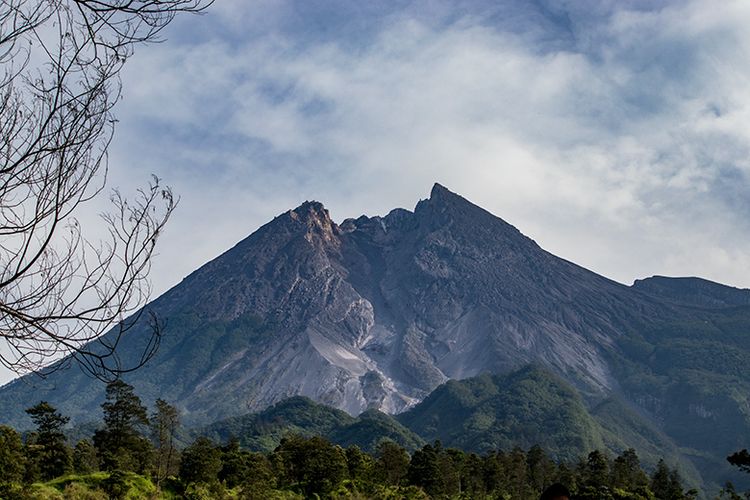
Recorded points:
(616,134)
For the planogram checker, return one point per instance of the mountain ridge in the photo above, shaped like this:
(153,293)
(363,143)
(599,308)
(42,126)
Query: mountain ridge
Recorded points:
(376,312)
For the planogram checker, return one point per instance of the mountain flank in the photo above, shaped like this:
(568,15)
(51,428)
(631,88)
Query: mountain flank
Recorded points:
(374,313)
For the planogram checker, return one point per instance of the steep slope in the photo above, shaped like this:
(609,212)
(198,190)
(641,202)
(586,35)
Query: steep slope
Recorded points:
(457,292)
(376,312)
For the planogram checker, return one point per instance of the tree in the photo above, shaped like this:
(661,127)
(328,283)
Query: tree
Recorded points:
(201,462)
(626,471)
(11,462)
(541,468)
(424,469)
(85,460)
(59,289)
(359,463)
(259,480)
(740,459)
(165,421)
(665,483)
(120,444)
(311,466)
(392,464)
(596,477)
(51,454)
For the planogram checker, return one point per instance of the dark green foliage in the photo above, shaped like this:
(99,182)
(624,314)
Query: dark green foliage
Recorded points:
(542,470)
(50,454)
(371,427)
(424,469)
(530,406)
(310,466)
(596,470)
(12,462)
(115,485)
(233,464)
(316,468)
(666,483)
(533,406)
(85,460)
(359,464)
(264,431)
(392,463)
(120,445)
(740,459)
(302,416)
(201,462)
(250,471)
(626,471)
(259,477)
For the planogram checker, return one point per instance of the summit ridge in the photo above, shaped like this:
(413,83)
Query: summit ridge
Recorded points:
(376,312)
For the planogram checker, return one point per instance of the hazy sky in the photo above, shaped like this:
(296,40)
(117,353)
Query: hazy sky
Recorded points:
(615,134)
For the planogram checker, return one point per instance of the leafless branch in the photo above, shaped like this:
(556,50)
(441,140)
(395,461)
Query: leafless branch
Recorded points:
(60,63)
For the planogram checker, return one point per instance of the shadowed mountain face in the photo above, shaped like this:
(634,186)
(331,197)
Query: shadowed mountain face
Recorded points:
(694,291)
(375,312)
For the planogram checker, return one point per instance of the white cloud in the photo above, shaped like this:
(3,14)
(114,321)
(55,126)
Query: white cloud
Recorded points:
(614,154)
(619,140)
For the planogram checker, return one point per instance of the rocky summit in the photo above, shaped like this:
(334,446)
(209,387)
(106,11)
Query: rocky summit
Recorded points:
(376,312)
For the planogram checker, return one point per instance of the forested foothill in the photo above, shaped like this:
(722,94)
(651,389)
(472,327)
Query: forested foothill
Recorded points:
(134,454)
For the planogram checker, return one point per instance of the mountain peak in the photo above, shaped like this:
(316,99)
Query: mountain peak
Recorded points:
(310,208)
(439,190)
(442,195)
(315,217)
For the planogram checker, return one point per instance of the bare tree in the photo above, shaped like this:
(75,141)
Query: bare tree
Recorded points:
(60,62)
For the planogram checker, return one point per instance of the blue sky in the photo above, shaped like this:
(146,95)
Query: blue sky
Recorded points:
(616,134)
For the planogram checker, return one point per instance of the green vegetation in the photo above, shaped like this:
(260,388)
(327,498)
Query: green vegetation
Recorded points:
(301,449)
(315,468)
(532,406)
(527,407)
(692,376)
(302,416)
(47,454)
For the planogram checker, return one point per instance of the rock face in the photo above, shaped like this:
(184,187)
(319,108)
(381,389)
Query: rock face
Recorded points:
(375,312)
(372,313)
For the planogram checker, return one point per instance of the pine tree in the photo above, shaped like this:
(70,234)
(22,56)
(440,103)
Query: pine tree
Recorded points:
(201,462)
(627,472)
(596,477)
(392,464)
(85,460)
(666,483)
(12,462)
(120,444)
(51,454)
(424,469)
